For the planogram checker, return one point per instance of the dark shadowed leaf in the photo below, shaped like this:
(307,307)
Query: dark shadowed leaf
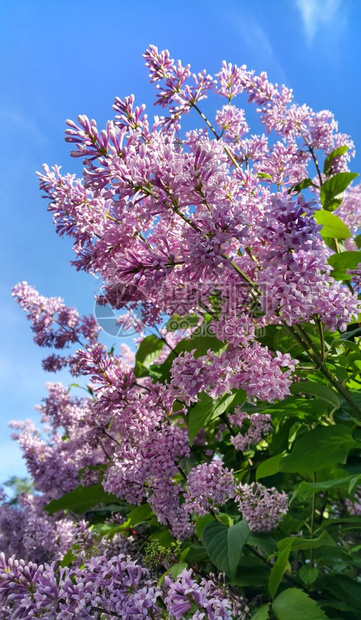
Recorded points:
(81,499)
(225,544)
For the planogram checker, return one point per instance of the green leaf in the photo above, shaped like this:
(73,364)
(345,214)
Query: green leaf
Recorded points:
(270,467)
(294,604)
(262,613)
(81,499)
(149,350)
(306,489)
(140,370)
(237,538)
(264,541)
(308,574)
(68,558)
(341,150)
(319,449)
(357,241)
(207,410)
(176,569)
(251,572)
(201,343)
(163,535)
(140,514)
(316,389)
(332,226)
(343,261)
(181,322)
(224,544)
(197,553)
(264,175)
(298,543)
(335,186)
(302,185)
(202,522)
(278,569)
(345,589)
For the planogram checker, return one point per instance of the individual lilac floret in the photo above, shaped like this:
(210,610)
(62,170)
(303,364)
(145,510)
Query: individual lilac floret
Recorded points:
(259,426)
(209,485)
(208,599)
(263,508)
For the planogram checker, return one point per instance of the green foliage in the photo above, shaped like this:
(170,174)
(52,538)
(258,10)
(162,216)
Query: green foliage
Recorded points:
(224,544)
(342,262)
(207,410)
(149,349)
(332,226)
(262,613)
(295,604)
(81,499)
(341,150)
(200,343)
(319,449)
(309,567)
(279,568)
(303,185)
(334,187)
(317,389)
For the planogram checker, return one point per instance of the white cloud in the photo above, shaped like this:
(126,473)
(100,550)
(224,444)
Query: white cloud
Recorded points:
(258,43)
(23,123)
(318,13)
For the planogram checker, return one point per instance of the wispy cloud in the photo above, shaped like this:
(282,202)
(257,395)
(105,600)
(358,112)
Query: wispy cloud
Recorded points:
(319,13)
(22,123)
(259,44)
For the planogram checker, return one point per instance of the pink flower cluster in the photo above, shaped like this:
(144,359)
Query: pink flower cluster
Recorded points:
(257,427)
(54,324)
(170,220)
(209,485)
(263,508)
(116,586)
(27,532)
(208,599)
(205,224)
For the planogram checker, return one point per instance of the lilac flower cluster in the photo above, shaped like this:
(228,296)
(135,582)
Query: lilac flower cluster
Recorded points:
(257,425)
(205,223)
(118,587)
(208,484)
(263,508)
(251,368)
(54,324)
(146,469)
(27,532)
(206,205)
(52,462)
(207,599)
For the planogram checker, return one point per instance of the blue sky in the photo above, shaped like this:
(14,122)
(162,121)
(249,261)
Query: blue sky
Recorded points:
(61,59)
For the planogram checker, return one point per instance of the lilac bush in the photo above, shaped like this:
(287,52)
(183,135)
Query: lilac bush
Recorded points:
(215,473)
